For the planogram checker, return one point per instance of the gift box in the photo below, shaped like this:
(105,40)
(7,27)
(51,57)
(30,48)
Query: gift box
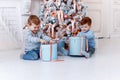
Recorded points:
(77,46)
(48,52)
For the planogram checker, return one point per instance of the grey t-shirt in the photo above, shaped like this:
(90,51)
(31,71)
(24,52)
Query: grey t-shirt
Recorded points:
(32,41)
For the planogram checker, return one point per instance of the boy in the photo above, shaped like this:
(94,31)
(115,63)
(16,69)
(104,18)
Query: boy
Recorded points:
(33,39)
(89,35)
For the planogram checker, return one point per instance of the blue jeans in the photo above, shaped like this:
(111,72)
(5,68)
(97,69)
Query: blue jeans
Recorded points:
(31,55)
(91,51)
(61,47)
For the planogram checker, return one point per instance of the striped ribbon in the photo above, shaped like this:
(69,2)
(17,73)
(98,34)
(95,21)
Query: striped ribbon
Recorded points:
(86,47)
(81,46)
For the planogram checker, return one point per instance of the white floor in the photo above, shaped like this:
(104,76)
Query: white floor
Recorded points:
(104,65)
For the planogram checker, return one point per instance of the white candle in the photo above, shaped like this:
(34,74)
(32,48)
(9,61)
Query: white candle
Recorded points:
(72,26)
(75,6)
(58,13)
(58,2)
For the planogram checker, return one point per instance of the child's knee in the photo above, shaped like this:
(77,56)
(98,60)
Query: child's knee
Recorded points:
(35,56)
(31,56)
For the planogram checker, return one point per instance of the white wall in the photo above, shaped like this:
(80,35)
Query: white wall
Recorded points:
(115,18)
(11,14)
(99,11)
(10,22)
(36,6)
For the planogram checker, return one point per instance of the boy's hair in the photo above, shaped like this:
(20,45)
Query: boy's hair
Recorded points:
(33,19)
(86,20)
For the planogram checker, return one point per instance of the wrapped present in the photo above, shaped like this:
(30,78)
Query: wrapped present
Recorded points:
(48,52)
(77,46)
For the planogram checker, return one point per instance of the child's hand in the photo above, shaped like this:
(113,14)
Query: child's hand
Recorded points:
(43,41)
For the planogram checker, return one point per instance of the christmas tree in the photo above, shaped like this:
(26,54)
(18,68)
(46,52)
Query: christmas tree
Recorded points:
(61,18)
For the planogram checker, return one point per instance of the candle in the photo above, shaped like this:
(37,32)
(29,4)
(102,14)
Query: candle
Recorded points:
(52,31)
(58,2)
(72,26)
(75,6)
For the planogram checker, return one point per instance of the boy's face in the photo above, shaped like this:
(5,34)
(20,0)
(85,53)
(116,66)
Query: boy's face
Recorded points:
(34,28)
(85,27)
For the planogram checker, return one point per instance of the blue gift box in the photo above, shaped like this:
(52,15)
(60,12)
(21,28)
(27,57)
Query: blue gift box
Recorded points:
(77,45)
(48,52)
